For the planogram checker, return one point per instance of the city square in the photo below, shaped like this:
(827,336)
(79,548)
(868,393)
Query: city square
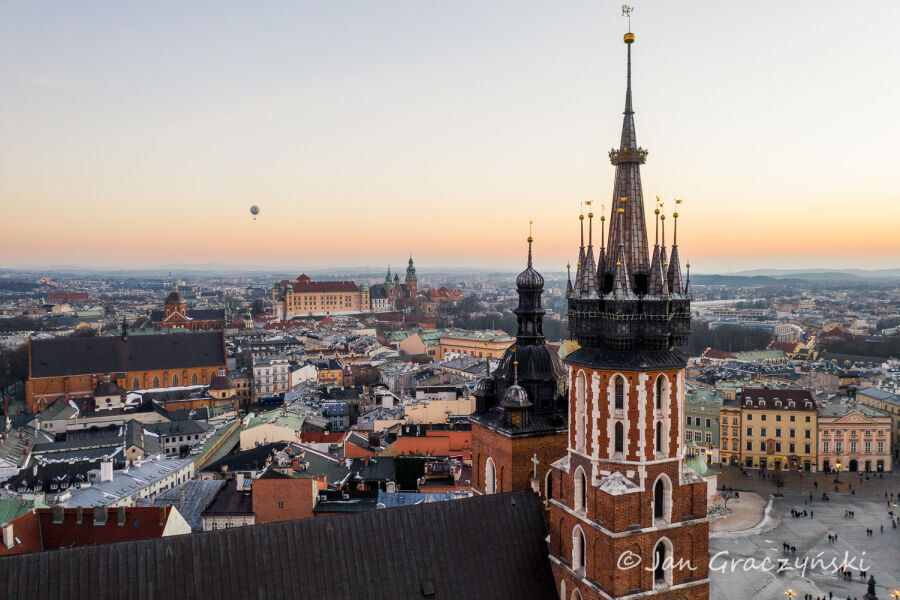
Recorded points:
(737,567)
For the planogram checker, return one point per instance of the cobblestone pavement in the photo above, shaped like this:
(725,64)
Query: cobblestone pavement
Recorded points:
(733,575)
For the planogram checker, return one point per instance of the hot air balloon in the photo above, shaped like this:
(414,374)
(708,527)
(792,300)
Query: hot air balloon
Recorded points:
(254,210)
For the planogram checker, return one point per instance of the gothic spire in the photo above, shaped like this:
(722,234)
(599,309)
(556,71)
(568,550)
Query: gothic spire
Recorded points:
(601,258)
(589,269)
(570,291)
(621,286)
(658,276)
(674,275)
(628,158)
(581,260)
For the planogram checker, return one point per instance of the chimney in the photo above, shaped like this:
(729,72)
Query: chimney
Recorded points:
(9,538)
(99,515)
(121,514)
(59,513)
(79,515)
(162,516)
(181,499)
(106,469)
(239,479)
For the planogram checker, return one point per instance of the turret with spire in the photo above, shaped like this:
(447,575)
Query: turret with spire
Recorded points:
(530,365)
(630,302)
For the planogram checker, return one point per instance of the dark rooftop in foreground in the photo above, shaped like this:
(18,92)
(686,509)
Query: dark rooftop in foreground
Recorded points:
(419,551)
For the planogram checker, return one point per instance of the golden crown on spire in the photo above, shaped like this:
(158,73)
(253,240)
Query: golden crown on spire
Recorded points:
(621,211)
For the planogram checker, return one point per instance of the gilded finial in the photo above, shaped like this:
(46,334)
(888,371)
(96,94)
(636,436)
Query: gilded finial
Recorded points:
(581,217)
(618,263)
(530,224)
(568,265)
(662,217)
(621,211)
(626,12)
(623,199)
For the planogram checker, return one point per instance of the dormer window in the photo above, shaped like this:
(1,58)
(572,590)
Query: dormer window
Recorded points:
(762,403)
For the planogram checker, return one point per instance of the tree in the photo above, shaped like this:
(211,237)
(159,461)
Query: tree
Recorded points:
(726,495)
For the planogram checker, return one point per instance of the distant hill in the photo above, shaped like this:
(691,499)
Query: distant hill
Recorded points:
(744,281)
(825,275)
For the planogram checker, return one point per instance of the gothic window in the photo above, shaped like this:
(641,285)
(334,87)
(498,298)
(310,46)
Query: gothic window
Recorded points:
(156,382)
(548,486)
(580,490)
(659,391)
(580,410)
(577,548)
(620,392)
(135,384)
(174,380)
(662,499)
(194,379)
(659,438)
(662,563)
(620,438)
(490,477)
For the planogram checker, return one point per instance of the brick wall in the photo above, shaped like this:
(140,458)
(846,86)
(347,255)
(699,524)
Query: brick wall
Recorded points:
(297,498)
(512,458)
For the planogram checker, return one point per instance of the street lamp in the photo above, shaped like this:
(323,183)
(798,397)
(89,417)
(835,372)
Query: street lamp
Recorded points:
(837,477)
(791,594)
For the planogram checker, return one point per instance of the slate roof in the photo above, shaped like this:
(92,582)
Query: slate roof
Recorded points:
(198,493)
(230,501)
(392,553)
(113,354)
(638,361)
(254,459)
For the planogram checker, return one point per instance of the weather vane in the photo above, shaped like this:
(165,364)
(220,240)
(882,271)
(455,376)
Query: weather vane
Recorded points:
(626,12)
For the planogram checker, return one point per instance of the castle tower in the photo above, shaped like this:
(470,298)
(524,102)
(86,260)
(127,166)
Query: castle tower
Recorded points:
(519,424)
(622,488)
(411,281)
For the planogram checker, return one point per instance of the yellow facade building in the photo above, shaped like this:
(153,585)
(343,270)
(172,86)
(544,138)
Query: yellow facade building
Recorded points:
(305,297)
(778,429)
(488,343)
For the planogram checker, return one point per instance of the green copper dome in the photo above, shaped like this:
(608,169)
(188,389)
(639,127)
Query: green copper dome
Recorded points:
(388,280)
(694,461)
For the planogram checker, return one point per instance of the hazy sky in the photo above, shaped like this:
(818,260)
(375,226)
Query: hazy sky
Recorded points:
(140,133)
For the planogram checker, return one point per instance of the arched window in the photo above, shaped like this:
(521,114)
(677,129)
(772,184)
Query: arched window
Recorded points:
(562,589)
(620,438)
(658,493)
(662,563)
(659,439)
(662,499)
(577,548)
(576,595)
(659,391)
(548,485)
(174,380)
(194,379)
(580,490)
(580,410)
(156,382)
(620,392)
(135,384)
(490,477)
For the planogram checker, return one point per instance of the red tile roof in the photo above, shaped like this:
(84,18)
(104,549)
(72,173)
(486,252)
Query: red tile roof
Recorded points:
(305,285)
(786,347)
(38,530)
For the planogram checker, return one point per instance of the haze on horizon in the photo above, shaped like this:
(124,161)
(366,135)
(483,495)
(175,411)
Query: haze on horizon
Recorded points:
(139,135)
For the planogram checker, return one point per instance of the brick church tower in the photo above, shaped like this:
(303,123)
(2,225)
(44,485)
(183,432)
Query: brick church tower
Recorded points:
(622,492)
(519,424)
